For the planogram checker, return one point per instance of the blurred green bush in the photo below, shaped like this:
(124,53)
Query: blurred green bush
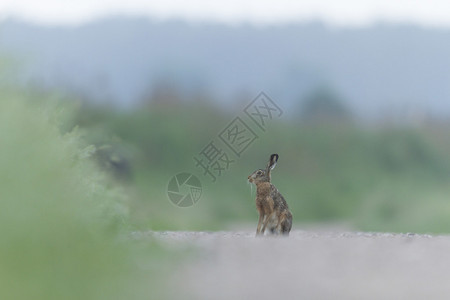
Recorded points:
(60,216)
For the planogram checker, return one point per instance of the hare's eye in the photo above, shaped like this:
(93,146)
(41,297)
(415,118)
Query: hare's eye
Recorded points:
(259,172)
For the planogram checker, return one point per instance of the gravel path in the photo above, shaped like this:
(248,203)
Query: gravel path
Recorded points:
(311,265)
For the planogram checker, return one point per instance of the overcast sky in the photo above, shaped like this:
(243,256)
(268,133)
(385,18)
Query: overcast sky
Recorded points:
(335,12)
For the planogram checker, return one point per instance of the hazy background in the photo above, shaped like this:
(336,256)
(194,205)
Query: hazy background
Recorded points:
(102,102)
(364,134)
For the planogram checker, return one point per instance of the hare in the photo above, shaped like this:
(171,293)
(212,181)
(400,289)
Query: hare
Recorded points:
(273,209)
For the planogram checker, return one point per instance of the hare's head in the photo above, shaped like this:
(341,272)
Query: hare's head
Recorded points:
(264,175)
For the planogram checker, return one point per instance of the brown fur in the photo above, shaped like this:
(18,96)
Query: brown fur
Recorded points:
(272,207)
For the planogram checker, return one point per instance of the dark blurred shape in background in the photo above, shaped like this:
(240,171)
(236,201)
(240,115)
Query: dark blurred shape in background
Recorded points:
(322,106)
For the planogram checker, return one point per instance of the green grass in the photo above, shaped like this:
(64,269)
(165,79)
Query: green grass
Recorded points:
(61,217)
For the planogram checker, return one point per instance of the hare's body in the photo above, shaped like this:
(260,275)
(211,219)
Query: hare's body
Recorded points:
(272,207)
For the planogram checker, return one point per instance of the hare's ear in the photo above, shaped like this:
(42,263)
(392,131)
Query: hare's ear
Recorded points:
(272,163)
